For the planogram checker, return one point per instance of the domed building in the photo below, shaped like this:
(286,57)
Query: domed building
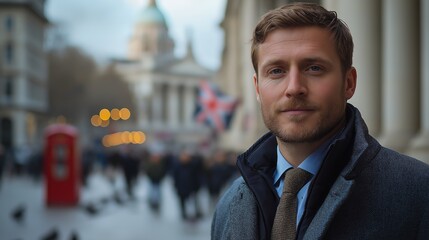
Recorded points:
(151,38)
(164,87)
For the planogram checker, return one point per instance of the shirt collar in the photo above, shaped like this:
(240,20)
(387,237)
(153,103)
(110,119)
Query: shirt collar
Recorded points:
(311,164)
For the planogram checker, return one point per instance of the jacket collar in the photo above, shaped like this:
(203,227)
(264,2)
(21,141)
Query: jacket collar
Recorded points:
(257,167)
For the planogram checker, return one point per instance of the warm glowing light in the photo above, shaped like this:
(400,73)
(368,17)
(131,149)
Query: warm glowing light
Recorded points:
(124,113)
(114,114)
(138,137)
(116,139)
(95,120)
(126,137)
(104,114)
(134,137)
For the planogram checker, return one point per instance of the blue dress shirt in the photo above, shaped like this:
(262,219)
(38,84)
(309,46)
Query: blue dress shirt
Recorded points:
(311,164)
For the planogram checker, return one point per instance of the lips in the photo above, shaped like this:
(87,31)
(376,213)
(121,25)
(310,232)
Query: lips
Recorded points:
(297,109)
(297,112)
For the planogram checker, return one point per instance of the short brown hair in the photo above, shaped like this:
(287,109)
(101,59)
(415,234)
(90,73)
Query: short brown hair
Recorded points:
(302,15)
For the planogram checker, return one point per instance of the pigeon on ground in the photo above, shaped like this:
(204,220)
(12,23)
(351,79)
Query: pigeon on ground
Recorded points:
(18,214)
(91,209)
(74,236)
(51,235)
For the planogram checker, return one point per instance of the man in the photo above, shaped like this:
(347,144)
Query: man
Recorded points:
(355,188)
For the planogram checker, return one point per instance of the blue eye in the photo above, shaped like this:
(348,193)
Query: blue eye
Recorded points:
(276,71)
(315,68)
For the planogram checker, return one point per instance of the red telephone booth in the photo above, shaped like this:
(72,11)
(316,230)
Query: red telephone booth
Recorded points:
(61,165)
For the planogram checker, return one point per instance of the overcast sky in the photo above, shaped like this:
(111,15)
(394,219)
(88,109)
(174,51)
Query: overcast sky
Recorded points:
(103,27)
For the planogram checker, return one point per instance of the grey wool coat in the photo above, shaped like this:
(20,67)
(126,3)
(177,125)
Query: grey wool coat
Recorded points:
(362,191)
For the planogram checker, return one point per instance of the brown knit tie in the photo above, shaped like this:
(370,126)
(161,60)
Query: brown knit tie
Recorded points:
(284,226)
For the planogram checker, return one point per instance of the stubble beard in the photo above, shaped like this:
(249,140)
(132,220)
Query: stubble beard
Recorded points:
(309,133)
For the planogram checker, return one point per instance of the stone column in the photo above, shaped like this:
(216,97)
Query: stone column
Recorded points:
(400,72)
(367,55)
(189,106)
(157,105)
(141,112)
(173,106)
(420,145)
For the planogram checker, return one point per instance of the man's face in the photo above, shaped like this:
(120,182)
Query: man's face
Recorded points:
(300,85)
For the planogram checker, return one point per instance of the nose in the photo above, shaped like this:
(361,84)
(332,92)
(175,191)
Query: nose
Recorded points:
(295,85)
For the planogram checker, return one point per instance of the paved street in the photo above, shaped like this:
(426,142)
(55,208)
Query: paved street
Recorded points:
(108,220)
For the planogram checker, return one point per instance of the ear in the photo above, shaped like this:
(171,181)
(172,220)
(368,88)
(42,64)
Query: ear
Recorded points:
(255,84)
(350,83)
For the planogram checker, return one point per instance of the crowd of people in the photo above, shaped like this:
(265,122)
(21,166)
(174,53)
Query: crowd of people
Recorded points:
(189,171)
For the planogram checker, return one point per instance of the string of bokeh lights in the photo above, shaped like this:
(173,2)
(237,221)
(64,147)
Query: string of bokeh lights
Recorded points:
(102,119)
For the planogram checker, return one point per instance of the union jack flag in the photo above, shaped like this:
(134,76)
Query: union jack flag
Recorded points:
(214,108)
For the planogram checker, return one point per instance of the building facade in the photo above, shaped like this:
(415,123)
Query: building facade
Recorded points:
(23,71)
(164,87)
(391,56)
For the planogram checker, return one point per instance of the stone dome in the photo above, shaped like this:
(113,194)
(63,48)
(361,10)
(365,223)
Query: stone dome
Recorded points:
(152,15)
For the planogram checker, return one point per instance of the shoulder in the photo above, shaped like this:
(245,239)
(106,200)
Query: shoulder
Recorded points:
(237,192)
(394,172)
(236,213)
(401,164)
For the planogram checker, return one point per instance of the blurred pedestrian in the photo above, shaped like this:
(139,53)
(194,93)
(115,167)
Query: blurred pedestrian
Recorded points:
(111,165)
(187,172)
(219,171)
(35,164)
(20,156)
(130,167)
(88,159)
(155,167)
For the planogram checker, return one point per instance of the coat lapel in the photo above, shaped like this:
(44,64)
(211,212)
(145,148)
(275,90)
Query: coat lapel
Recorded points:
(336,197)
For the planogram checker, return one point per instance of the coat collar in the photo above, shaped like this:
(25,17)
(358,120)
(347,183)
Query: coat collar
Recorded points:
(257,167)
